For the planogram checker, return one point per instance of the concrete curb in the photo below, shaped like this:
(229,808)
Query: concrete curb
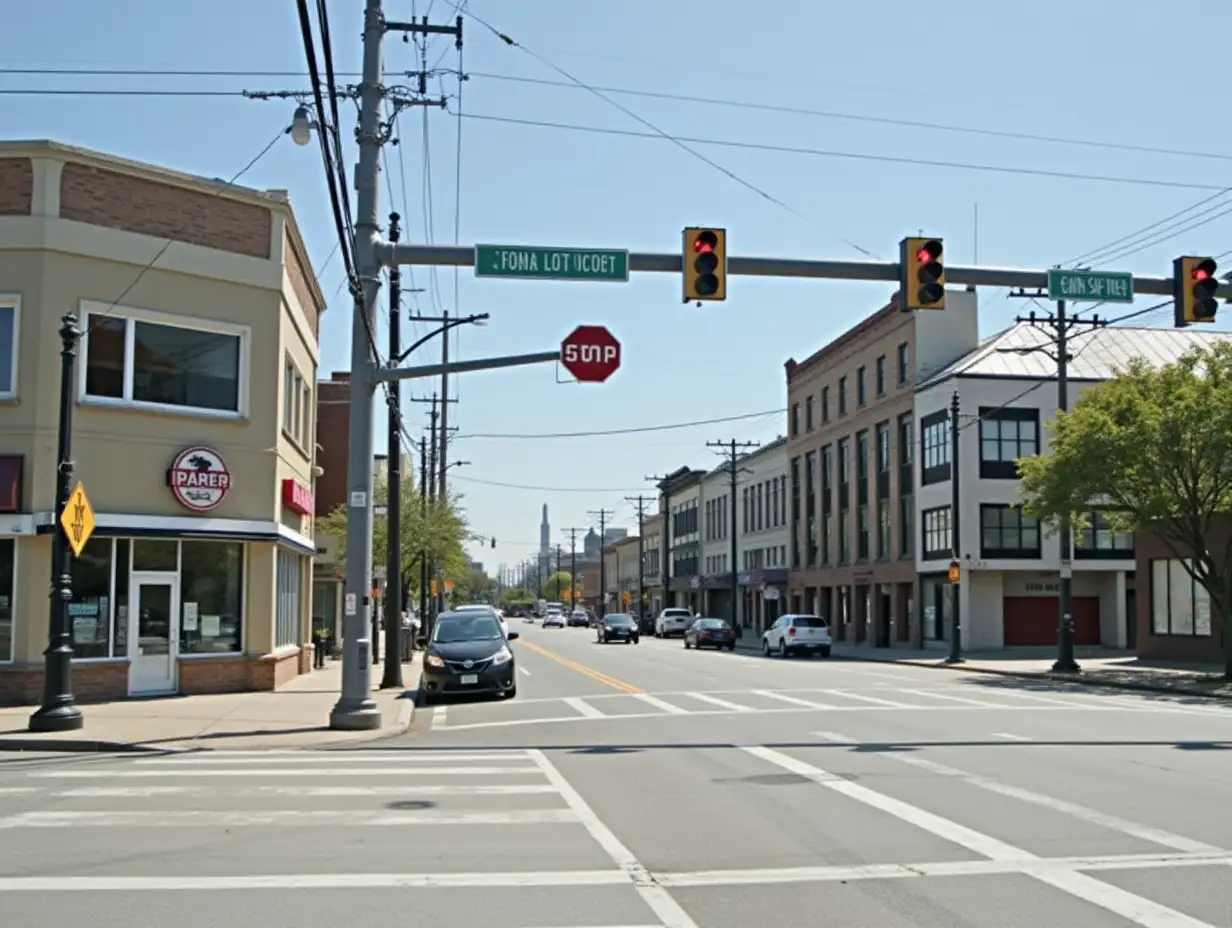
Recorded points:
(82,746)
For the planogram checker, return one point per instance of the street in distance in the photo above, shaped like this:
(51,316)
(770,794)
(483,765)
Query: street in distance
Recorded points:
(530,262)
(1101,286)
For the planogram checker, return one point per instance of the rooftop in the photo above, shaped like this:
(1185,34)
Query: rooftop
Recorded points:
(1098,354)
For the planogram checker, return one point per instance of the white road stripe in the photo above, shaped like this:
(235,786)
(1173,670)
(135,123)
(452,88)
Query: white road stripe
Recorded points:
(388,771)
(523,671)
(1008,737)
(581,707)
(930,694)
(440,717)
(17,790)
(658,703)
(875,700)
(434,789)
(324,818)
(722,703)
(794,700)
(359,757)
(1135,909)
(660,901)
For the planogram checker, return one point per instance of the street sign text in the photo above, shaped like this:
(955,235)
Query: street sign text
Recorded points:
(590,353)
(1090,286)
(531,262)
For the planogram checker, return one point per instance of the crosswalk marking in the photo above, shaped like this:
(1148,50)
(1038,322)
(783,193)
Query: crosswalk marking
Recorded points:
(793,700)
(722,703)
(319,818)
(393,789)
(366,770)
(582,707)
(961,700)
(875,700)
(668,707)
(383,757)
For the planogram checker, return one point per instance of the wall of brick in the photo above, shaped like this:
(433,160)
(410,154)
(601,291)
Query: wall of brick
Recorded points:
(133,204)
(333,424)
(241,674)
(298,269)
(16,186)
(23,686)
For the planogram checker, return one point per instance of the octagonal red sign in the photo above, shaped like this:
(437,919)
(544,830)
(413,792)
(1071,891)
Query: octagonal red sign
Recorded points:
(590,353)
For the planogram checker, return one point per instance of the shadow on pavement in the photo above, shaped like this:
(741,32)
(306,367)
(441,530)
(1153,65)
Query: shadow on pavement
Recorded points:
(1111,689)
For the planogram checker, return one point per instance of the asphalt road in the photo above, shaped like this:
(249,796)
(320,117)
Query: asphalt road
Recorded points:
(652,786)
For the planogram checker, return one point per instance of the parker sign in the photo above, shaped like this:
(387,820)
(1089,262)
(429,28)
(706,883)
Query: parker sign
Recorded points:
(199,478)
(590,353)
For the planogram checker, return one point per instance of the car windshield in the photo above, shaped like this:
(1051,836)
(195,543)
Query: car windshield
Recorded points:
(711,623)
(476,626)
(618,619)
(808,621)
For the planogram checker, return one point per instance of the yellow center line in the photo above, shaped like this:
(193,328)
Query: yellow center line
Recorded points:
(585,671)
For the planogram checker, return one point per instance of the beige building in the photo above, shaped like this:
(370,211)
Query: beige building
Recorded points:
(620,574)
(194,419)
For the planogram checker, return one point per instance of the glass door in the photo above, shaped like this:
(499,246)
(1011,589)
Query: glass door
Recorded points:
(154,633)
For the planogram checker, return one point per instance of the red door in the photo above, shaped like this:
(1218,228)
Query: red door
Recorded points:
(1032,620)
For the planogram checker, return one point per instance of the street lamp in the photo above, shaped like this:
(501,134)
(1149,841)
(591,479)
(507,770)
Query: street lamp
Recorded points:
(302,125)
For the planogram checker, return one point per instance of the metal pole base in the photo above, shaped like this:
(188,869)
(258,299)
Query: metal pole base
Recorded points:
(57,718)
(360,715)
(392,680)
(1066,666)
(954,660)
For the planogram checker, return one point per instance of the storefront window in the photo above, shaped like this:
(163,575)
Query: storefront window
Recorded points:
(287,624)
(8,550)
(89,611)
(324,595)
(211,596)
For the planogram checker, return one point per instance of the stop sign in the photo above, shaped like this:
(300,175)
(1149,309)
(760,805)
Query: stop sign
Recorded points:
(590,353)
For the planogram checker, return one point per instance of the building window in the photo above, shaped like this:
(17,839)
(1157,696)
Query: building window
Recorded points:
(862,533)
(286,628)
(1098,540)
(810,508)
(211,589)
(1007,532)
(935,448)
(883,529)
(883,447)
(827,531)
(795,419)
(844,536)
(1005,436)
(8,557)
(175,364)
(938,542)
(10,312)
(861,386)
(825,404)
(862,455)
(906,525)
(904,363)
(795,513)
(89,611)
(906,439)
(808,413)
(296,407)
(842,395)
(1179,604)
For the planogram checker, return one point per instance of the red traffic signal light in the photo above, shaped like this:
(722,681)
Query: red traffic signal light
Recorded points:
(705,264)
(1194,290)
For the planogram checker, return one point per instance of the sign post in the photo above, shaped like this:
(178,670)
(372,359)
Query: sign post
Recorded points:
(590,353)
(1090,286)
(534,262)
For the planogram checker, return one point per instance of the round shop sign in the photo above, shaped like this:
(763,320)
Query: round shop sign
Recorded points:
(199,478)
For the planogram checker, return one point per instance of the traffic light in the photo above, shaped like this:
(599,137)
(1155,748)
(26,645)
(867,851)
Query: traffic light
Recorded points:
(493,542)
(921,274)
(1194,285)
(705,264)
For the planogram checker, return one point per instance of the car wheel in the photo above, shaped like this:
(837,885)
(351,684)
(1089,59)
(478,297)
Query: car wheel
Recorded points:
(731,647)
(686,643)
(825,652)
(637,638)
(782,648)
(765,647)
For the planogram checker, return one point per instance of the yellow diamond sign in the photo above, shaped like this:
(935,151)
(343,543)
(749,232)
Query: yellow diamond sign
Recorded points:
(77,520)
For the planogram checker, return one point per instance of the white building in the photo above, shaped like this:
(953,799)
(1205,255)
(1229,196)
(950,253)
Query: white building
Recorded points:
(764,532)
(1009,595)
(715,504)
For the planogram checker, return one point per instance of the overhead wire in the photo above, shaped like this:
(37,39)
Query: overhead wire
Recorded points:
(546,489)
(637,430)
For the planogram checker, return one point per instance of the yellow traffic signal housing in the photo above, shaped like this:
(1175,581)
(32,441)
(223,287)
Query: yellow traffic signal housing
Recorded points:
(1194,285)
(704,262)
(921,274)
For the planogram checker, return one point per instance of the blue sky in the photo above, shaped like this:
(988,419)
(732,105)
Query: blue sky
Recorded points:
(1076,72)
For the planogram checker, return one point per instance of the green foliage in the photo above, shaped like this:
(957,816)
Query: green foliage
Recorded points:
(435,526)
(470,585)
(1151,447)
(557,586)
(517,597)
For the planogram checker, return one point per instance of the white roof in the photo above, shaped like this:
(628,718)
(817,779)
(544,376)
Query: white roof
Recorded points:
(1097,353)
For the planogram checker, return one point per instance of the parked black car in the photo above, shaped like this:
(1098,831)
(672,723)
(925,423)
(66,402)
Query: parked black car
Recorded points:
(617,627)
(468,655)
(710,633)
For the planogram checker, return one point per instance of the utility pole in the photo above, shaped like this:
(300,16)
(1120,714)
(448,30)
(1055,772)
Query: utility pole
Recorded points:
(392,676)
(665,569)
(573,534)
(602,515)
(1057,348)
(559,554)
(423,555)
(444,402)
(640,503)
(955,577)
(731,449)
(356,709)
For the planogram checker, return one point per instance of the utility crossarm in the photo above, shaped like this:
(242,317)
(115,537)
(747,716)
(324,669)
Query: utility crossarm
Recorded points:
(671,263)
(461,367)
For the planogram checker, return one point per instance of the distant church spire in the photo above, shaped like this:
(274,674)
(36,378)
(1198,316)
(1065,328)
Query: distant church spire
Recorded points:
(545,532)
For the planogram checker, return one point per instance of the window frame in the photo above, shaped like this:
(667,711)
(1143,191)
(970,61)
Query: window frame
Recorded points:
(13,301)
(903,360)
(937,531)
(879,376)
(998,468)
(938,452)
(1021,526)
(1194,589)
(131,316)
(1097,524)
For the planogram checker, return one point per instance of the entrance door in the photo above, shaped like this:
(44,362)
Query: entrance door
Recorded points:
(153,633)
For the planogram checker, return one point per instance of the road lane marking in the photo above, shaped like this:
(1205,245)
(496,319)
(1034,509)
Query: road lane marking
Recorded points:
(523,671)
(794,700)
(1008,737)
(874,700)
(581,707)
(431,789)
(660,901)
(658,703)
(357,771)
(359,757)
(1133,829)
(715,701)
(1135,909)
(325,818)
(961,700)
(440,716)
(585,671)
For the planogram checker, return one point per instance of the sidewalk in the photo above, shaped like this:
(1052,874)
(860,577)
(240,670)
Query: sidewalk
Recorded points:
(295,716)
(1100,667)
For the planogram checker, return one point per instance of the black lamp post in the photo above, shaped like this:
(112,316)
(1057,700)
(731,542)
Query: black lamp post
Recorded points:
(58,711)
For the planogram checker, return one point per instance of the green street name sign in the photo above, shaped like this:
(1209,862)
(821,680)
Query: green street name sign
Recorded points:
(1091,286)
(531,262)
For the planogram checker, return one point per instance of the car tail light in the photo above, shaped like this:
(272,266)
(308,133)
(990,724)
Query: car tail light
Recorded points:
(792,631)
(704,635)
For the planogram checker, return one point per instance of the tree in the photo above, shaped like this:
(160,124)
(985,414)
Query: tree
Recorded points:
(517,597)
(439,529)
(1152,448)
(557,586)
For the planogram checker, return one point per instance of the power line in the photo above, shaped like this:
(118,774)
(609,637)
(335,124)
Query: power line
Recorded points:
(542,489)
(629,431)
(854,156)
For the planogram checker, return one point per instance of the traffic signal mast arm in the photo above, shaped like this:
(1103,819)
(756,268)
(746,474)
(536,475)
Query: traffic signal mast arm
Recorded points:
(886,271)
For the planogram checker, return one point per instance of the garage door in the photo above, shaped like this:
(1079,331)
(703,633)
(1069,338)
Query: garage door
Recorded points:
(1032,620)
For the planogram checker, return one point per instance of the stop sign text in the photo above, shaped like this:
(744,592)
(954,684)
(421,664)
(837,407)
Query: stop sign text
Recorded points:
(590,353)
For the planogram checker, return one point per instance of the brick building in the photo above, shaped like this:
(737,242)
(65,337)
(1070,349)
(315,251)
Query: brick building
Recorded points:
(1175,618)
(194,424)
(851,448)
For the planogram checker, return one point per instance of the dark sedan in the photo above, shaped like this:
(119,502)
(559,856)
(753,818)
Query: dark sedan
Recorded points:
(468,655)
(710,633)
(617,627)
